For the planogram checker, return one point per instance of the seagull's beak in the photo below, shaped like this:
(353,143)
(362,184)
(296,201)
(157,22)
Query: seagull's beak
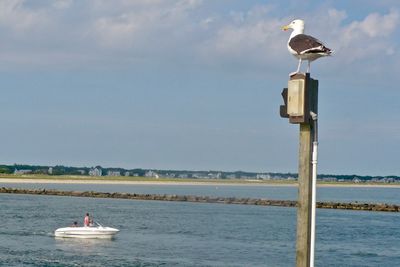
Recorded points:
(285,28)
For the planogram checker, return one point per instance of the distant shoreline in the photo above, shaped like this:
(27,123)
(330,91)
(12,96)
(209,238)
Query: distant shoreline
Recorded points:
(185,182)
(125,182)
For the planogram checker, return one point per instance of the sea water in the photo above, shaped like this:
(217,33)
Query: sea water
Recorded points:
(390,195)
(157,233)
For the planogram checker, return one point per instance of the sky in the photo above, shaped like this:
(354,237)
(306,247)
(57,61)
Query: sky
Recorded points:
(195,85)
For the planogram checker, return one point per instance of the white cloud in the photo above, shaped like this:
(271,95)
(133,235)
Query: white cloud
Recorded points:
(251,37)
(376,25)
(235,40)
(356,43)
(14,16)
(368,38)
(144,22)
(117,31)
(255,38)
(207,22)
(62,4)
(186,29)
(374,28)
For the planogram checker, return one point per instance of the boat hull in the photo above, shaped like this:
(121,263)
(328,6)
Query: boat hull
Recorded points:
(86,232)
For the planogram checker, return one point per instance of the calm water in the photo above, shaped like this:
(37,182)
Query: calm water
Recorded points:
(344,194)
(194,234)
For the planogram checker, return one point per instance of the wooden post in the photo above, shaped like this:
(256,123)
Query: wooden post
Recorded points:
(308,102)
(304,198)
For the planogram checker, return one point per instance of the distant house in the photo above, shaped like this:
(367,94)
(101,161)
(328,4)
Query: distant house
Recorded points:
(329,179)
(170,175)
(50,170)
(16,171)
(127,173)
(214,175)
(387,180)
(151,174)
(262,176)
(113,173)
(198,176)
(95,172)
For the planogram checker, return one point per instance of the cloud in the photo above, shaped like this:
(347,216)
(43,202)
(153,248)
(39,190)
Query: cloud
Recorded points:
(252,37)
(368,43)
(117,31)
(15,17)
(62,4)
(374,26)
(191,30)
(143,23)
(371,39)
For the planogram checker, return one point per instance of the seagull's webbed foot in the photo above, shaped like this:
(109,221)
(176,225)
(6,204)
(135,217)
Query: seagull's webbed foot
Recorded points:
(296,72)
(298,69)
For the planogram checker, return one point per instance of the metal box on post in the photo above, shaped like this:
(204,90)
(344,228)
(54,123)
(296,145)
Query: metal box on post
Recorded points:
(300,98)
(295,98)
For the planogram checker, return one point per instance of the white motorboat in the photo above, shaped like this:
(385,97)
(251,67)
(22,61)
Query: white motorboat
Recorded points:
(97,231)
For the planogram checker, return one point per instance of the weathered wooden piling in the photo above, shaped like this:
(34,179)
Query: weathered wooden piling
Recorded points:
(300,102)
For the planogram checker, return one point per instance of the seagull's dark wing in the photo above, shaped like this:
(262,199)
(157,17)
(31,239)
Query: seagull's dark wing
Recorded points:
(303,43)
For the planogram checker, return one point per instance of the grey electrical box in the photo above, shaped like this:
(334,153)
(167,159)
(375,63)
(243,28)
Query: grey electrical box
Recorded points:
(300,98)
(295,97)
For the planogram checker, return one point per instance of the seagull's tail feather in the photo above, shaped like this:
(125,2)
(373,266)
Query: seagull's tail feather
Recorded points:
(321,50)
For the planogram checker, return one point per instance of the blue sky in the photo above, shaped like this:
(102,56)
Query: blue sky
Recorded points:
(191,84)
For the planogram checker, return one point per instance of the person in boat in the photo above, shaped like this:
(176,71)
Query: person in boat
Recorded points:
(75,224)
(87,221)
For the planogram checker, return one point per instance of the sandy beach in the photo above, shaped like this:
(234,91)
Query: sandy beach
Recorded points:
(191,183)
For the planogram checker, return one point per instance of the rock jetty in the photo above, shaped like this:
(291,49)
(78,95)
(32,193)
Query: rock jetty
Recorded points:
(204,199)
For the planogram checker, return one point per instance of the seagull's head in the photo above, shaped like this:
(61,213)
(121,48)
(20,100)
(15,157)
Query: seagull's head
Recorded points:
(296,25)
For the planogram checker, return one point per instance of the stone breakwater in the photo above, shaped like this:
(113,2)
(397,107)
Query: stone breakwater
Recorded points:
(204,199)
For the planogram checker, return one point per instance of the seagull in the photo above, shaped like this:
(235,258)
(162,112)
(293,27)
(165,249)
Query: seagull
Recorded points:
(304,47)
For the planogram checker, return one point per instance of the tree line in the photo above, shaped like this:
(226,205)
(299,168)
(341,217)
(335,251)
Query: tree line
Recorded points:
(68,170)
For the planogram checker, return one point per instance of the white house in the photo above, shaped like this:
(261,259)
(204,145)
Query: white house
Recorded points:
(95,172)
